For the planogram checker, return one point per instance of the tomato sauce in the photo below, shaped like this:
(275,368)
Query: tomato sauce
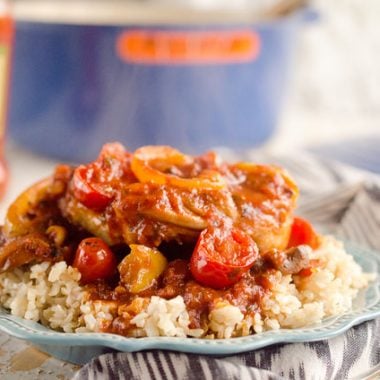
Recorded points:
(246,294)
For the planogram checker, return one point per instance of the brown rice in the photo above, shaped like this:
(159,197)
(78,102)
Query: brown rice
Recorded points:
(52,295)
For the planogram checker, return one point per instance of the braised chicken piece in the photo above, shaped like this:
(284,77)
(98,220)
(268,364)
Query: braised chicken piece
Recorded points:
(24,250)
(34,229)
(158,195)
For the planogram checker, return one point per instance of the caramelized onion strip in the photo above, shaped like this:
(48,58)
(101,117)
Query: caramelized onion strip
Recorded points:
(150,163)
(270,171)
(18,220)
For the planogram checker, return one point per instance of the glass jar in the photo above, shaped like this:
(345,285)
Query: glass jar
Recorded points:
(6,38)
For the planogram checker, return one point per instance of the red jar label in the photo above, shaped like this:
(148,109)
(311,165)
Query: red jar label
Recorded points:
(3,86)
(6,36)
(188,47)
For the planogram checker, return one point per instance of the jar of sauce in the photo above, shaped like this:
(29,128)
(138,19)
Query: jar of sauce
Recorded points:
(6,38)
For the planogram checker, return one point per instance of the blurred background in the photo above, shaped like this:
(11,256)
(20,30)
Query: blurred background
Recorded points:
(335,95)
(272,75)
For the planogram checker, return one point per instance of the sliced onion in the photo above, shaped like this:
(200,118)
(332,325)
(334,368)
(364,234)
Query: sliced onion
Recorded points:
(270,171)
(150,162)
(16,221)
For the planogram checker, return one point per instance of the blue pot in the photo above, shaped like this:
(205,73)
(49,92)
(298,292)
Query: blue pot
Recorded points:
(75,88)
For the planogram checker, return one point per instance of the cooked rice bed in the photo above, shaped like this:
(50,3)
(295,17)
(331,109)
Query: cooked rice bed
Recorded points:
(52,295)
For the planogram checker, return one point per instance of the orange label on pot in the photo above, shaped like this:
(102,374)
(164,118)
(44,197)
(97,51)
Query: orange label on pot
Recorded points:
(188,47)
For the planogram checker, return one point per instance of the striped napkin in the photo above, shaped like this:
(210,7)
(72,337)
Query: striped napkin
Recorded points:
(337,199)
(361,152)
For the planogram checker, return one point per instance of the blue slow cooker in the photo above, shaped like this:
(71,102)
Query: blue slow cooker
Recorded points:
(140,78)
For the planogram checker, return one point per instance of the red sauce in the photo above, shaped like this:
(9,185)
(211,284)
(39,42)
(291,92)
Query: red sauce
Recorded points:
(246,294)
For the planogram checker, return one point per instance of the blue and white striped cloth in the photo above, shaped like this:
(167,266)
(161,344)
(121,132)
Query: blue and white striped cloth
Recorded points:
(361,152)
(339,200)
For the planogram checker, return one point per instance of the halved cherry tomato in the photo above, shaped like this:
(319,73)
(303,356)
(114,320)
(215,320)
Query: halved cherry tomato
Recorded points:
(89,193)
(94,260)
(94,184)
(222,255)
(302,232)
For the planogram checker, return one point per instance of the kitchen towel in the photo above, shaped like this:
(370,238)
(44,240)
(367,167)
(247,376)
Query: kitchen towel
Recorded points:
(361,152)
(337,199)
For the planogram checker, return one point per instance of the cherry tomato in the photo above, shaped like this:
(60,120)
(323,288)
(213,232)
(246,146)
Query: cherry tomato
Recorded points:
(222,255)
(87,191)
(94,260)
(302,232)
(94,184)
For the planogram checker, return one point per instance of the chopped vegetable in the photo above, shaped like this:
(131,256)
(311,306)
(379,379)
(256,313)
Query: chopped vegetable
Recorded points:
(94,260)
(19,220)
(57,233)
(302,232)
(222,255)
(141,268)
(162,165)
(93,183)
(87,191)
(291,261)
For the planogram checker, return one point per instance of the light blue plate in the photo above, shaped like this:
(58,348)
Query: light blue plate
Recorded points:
(80,348)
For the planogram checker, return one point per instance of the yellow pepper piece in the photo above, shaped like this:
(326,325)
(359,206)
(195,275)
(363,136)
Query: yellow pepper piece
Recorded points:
(150,164)
(17,222)
(141,268)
